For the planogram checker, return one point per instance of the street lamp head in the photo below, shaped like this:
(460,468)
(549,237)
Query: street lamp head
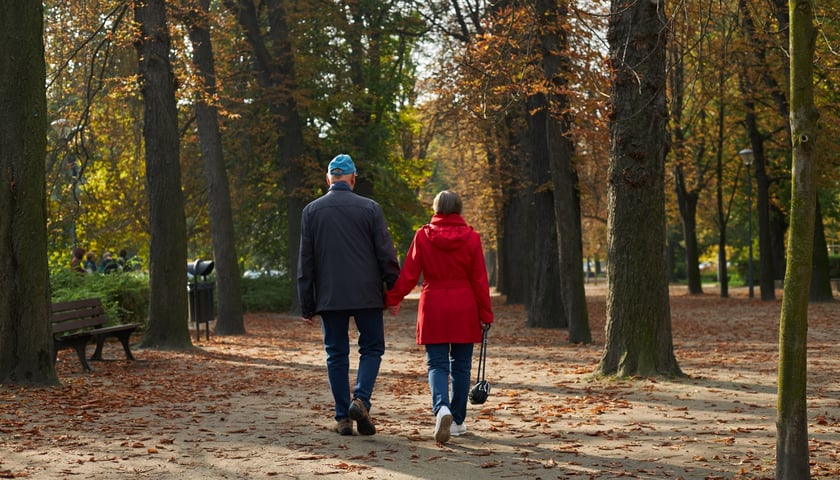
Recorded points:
(747,156)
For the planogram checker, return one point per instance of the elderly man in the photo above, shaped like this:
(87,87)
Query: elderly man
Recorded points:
(347,261)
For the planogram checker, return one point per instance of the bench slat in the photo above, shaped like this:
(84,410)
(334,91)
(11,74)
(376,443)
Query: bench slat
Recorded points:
(76,322)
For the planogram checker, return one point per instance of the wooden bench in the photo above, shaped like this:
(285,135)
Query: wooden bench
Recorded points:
(76,322)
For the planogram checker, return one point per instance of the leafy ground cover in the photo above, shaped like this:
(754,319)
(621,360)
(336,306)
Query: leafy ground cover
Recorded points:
(258,406)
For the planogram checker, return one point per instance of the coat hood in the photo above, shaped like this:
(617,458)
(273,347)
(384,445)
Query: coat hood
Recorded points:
(447,232)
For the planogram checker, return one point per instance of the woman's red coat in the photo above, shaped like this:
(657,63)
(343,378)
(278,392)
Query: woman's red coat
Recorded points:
(455,296)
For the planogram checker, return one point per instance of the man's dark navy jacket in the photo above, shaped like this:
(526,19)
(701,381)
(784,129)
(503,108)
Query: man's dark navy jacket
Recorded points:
(347,258)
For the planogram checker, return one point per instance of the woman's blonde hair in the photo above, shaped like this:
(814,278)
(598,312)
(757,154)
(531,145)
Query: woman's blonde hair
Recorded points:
(447,202)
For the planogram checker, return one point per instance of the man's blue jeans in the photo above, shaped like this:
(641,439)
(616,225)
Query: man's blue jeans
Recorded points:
(447,361)
(335,325)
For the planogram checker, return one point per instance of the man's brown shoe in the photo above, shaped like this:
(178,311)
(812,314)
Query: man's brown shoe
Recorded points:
(359,413)
(344,426)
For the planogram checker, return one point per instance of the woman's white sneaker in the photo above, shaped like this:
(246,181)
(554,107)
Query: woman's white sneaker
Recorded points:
(457,430)
(443,422)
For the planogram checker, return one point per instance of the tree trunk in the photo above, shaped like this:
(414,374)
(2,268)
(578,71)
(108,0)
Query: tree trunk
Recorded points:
(513,239)
(687,202)
(766,275)
(567,217)
(275,67)
(545,305)
(778,240)
(721,211)
(228,277)
(638,331)
(25,332)
(792,460)
(820,277)
(688,192)
(770,247)
(168,326)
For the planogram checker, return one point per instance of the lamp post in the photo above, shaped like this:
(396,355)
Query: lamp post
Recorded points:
(747,156)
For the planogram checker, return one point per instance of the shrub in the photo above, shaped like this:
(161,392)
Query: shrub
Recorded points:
(125,295)
(266,294)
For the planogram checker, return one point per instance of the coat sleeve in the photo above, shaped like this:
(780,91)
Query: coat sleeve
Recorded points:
(386,255)
(480,285)
(306,271)
(409,275)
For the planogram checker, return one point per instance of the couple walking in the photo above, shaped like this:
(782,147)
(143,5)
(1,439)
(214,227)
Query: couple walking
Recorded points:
(347,261)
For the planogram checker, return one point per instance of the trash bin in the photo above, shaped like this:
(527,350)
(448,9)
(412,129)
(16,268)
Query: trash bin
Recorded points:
(201,305)
(200,296)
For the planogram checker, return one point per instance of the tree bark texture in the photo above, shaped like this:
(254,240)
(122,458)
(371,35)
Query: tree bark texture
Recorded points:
(514,247)
(552,16)
(168,326)
(545,307)
(228,278)
(792,460)
(25,332)
(638,330)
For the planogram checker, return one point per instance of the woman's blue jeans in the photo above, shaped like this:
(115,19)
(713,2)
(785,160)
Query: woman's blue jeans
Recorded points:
(445,362)
(371,329)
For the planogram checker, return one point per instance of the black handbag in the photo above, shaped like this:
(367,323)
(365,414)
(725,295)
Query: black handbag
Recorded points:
(481,390)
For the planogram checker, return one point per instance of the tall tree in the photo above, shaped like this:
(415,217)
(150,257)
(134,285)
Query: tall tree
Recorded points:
(543,304)
(638,331)
(274,64)
(554,49)
(167,326)
(761,88)
(792,416)
(228,279)
(25,334)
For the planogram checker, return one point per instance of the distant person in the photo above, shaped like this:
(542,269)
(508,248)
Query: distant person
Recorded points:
(346,261)
(454,307)
(122,261)
(108,265)
(90,262)
(77,262)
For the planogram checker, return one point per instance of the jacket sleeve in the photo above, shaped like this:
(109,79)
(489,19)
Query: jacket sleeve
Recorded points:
(386,254)
(409,275)
(306,271)
(480,285)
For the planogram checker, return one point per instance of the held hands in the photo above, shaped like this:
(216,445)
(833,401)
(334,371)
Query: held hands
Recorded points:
(308,320)
(394,309)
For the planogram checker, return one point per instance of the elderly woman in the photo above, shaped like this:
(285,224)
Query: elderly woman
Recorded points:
(454,306)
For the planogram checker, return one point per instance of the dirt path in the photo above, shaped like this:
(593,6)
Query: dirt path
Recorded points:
(258,406)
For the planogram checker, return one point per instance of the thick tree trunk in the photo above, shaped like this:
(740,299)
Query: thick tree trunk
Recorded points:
(25,332)
(638,337)
(168,326)
(792,460)
(552,16)
(513,248)
(545,305)
(513,240)
(228,278)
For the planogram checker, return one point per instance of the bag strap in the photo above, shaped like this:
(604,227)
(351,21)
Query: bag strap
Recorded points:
(482,356)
